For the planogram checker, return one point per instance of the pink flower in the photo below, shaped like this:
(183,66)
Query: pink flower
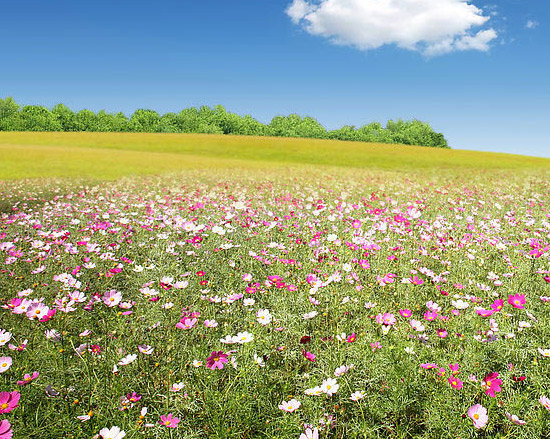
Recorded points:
(515,419)
(430,315)
(5,429)
(442,333)
(28,378)
(517,300)
(545,402)
(169,421)
(386,319)
(186,323)
(351,338)
(478,414)
(375,345)
(405,313)
(112,298)
(491,384)
(309,356)
(216,360)
(8,401)
(455,382)
(37,311)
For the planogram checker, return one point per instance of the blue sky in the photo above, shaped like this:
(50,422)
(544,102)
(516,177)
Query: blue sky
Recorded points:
(477,71)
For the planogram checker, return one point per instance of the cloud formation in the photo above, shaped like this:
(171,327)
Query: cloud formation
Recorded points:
(432,27)
(531,24)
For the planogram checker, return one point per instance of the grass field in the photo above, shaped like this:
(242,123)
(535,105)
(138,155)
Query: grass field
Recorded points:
(270,289)
(111,155)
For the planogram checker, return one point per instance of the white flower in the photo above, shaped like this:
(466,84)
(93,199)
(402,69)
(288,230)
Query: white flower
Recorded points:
(310,315)
(249,302)
(112,433)
(197,363)
(460,304)
(416,325)
(315,391)
(145,349)
(544,352)
(5,336)
(290,406)
(127,360)
(409,350)
(356,396)
(176,387)
(341,370)
(244,337)
(310,434)
(259,360)
(263,316)
(330,386)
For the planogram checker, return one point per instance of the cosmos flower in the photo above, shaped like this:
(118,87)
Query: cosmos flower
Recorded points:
(491,384)
(8,401)
(169,421)
(112,433)
(5,363)
(478,414)
(216,360)
(290,406)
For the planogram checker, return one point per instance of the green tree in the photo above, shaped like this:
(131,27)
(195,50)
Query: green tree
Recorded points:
(86,120)
(9,115)
(144,121)
(66,117)
(38,118)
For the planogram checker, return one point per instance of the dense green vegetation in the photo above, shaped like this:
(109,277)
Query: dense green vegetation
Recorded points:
(208,120)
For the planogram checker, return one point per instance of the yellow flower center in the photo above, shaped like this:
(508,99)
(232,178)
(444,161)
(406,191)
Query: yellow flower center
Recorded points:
(4,364)
(476,416)
(4,406)
(166,422)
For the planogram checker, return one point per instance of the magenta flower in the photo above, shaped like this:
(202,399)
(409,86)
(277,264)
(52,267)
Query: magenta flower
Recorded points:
(454,368)
(5,429)
(405,313)
(517,300)
(309,356)
(169,421)
(485,312)
(8,401)
(491,384)
(216,360)
(455,382)
(28,378)
(497,305)
(430,315)
(428,365)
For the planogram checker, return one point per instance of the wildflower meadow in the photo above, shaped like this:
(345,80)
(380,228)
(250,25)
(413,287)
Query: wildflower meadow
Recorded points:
(306,303)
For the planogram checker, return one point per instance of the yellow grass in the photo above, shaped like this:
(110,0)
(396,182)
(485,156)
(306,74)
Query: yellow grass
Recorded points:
(113,155)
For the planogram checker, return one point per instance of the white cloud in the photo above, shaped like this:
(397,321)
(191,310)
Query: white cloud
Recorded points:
(531,24)
(432,27)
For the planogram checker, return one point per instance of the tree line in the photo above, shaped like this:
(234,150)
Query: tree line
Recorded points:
(216,120)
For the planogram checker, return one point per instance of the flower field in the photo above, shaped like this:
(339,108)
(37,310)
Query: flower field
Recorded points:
(277,304)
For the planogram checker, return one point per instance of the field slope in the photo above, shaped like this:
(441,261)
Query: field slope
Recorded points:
(112,155)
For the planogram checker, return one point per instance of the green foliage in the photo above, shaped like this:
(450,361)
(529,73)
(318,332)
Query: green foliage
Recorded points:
(216,120)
